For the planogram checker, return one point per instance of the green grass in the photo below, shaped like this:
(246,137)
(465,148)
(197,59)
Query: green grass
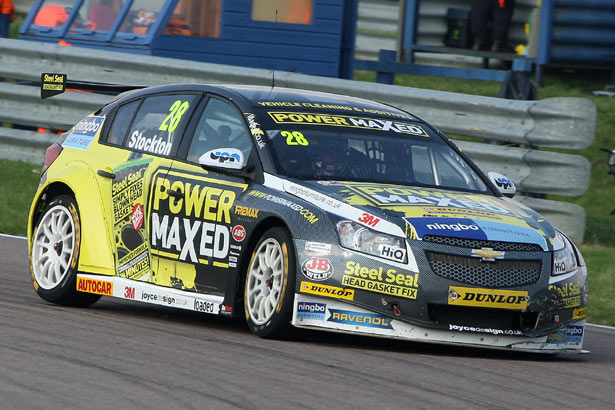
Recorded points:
(18,182)
(599,260)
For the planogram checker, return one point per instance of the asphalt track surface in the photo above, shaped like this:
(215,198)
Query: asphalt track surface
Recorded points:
(126,355)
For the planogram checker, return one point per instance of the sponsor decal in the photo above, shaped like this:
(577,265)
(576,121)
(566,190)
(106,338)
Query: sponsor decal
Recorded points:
(161,298)
(392,253)
(126,189)
(224,156)
(333,107)
(326,290)
(405,196)
(82,135)
(255,130)
(309,310)
(152,145)
(571,334)
(317,269)
(195,227)
(306,213)
(127,196)
(204,306)
(226,310)
(312,196)
(567,295)
(135,264)
(368,219)
(239,233)
(489,298)
(317,247)
(289,117)
(129,292)
(99,287)
(507,332)
(360,319)
(136,218)
(580,313)
(475,229)
(388,282)
(245,211)
(503,182)
(452,227)
(487,254)
(52,84)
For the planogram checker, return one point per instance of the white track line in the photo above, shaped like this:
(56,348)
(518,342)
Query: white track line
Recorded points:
(589,324)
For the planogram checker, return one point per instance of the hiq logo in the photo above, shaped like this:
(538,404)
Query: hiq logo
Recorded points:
(309,310)
(458,227)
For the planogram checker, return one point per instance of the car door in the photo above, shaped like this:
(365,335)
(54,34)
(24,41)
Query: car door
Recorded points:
(197,234)
(146,133)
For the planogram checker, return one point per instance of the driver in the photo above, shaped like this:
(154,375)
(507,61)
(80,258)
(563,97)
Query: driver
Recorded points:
(332,158)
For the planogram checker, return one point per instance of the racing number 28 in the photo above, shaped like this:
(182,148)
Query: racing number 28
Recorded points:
(177,110)
(294,138)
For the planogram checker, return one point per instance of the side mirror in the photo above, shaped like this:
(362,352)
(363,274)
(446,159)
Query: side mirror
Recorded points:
(504,185)
(223,158)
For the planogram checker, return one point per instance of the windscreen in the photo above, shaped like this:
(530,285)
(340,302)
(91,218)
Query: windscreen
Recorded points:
(352,148)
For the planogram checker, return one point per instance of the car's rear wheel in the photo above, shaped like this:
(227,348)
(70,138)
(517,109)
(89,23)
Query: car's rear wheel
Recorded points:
(270,284)
(55,253)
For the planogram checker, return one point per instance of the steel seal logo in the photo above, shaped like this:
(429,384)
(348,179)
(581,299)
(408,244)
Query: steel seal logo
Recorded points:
(489,298)
(327,291)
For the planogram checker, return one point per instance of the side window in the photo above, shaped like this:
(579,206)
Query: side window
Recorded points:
(221,126)
(121,122)
(448,175)
(159,123)
(421,165)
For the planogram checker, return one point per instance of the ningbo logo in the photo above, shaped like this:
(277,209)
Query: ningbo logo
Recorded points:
(458,227)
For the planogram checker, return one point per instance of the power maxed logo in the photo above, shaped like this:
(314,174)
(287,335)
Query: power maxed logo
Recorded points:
(194,226)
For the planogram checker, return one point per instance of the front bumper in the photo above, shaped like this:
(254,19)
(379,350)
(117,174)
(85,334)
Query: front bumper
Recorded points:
(328,314)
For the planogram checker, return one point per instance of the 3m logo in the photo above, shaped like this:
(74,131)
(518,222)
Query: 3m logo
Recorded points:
(490,298)
(129,292)
(100,287)
(326,290)
(369,219)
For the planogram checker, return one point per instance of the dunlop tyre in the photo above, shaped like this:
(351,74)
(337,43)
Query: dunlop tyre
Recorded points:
(54,254)
(269,286)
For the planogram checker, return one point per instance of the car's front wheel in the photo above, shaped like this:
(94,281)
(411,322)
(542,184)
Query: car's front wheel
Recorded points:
(270,284)
(55,253)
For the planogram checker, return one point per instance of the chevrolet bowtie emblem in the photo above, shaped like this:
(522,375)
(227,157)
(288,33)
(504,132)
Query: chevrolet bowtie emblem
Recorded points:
(487,254)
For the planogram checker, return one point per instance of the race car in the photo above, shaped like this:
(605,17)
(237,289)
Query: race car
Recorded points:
(299,209)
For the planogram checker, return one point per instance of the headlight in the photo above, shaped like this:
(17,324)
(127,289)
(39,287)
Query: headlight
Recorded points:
(564,256)
(359,238)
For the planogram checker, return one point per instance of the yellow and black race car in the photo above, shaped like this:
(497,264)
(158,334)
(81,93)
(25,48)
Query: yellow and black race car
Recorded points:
(298,209)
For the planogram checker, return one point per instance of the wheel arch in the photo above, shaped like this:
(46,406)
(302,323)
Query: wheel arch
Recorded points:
(262,227)
(96,256)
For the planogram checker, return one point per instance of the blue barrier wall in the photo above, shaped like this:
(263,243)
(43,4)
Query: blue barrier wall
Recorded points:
(324,46)
(583,32)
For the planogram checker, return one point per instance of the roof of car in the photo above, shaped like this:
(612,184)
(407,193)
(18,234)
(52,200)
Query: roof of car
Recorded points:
(266,97)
